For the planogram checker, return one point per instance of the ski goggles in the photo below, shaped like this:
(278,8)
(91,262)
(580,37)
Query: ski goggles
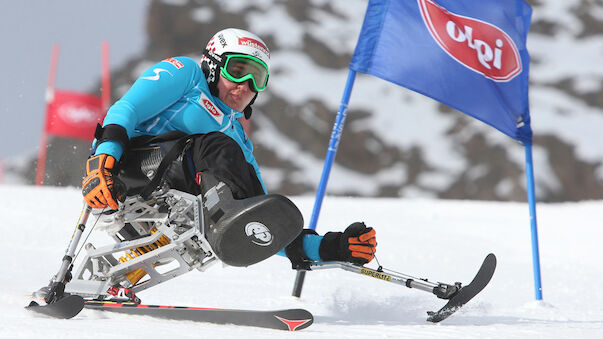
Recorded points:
(240,67)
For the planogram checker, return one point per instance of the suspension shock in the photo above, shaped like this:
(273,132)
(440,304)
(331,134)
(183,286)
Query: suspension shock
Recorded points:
(139,273)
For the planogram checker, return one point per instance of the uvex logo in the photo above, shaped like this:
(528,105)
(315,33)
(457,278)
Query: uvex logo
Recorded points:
(478,45)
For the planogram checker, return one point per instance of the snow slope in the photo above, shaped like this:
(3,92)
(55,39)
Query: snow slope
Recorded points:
(435,239)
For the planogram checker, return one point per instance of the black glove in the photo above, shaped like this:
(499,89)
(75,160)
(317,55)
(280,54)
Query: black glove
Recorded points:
(357,245)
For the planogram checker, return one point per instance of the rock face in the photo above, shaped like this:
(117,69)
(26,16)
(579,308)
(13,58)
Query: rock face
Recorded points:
(395,142)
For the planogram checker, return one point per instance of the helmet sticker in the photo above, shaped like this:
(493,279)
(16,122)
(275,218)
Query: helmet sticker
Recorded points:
(255,44)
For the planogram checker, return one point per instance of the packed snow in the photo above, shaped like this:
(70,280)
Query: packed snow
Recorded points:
(442,240)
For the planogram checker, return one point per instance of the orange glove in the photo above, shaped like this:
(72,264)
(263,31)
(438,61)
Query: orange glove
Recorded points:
(362,246)
(357,245)
(98,185)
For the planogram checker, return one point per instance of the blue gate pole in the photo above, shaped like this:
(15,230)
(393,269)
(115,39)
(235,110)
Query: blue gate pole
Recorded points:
(534,227)
(326,170)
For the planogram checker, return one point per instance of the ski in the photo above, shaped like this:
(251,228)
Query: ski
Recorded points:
(466,293)
(288,319)
(456,294)
(64,308)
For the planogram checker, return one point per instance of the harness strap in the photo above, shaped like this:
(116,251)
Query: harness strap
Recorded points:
(168,159)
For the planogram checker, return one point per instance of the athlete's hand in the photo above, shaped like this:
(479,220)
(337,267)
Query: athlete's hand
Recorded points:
(357,244)
(98,187)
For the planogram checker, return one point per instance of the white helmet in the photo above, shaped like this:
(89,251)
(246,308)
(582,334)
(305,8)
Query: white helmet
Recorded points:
(239,56)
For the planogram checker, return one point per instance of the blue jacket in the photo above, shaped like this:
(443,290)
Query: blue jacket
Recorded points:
(174,95)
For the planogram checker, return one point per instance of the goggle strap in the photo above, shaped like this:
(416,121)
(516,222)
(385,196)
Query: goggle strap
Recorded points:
(213,58)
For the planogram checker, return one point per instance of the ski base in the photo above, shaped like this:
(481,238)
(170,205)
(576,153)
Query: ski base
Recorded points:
(64,308)
(289,319)
(466,293)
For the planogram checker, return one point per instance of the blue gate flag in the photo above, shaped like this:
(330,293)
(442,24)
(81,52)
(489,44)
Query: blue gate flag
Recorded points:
(470,55)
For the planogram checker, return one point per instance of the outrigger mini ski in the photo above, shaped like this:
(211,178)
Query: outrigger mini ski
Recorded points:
(66,307)
(57,303)
(456,294)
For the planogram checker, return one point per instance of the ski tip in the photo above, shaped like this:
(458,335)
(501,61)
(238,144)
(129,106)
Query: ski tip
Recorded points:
(491,258)
(488,267)
(64,308)
(32,304)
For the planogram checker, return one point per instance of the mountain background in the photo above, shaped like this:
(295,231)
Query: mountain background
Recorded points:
(396,143)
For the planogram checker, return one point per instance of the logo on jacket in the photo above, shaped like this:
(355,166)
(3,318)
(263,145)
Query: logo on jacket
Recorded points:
(211,108)
(477,45)
(174,62)
(157,71)
(260,233)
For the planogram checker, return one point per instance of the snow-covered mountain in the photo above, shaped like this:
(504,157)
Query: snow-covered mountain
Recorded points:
(415,147)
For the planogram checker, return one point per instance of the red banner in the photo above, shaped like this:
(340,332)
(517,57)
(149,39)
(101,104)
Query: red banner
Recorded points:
(74,115)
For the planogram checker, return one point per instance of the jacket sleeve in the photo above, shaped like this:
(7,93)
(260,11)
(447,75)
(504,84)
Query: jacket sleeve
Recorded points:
(311,247)
(157,88)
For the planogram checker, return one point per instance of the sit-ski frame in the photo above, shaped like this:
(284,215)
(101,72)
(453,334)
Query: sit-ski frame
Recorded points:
(179,217)
(175,215)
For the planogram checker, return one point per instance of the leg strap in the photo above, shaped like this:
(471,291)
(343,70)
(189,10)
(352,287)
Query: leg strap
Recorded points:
(296,254)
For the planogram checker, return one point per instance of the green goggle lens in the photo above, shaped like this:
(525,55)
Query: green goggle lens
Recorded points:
(239,68)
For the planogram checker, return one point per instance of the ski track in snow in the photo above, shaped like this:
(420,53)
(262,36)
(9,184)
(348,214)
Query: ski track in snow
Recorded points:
(442,240)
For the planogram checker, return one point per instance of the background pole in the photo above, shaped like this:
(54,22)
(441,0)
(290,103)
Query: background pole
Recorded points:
(534,227)
(106,76)
(41,166)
